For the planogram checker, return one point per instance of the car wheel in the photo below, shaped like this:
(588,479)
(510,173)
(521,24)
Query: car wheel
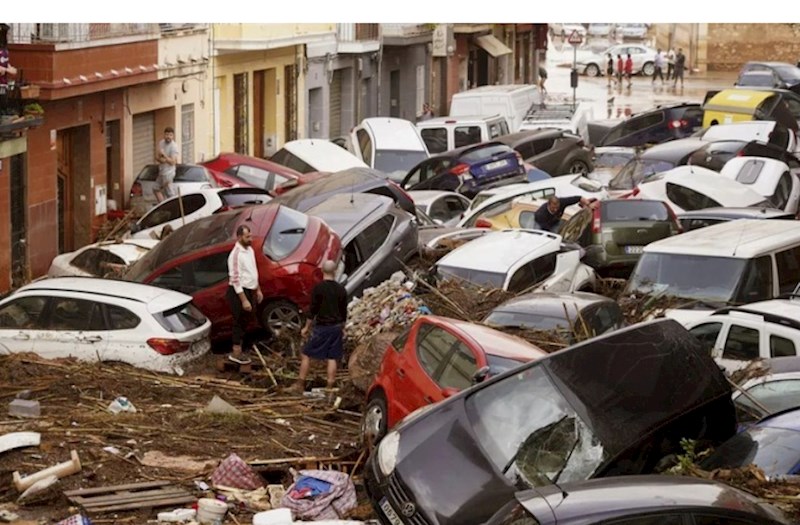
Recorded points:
(375,420)
(648,69)
(279,315)
(578,166)
(592,70)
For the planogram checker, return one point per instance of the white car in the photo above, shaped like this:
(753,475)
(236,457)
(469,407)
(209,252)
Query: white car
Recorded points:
(771,178)
(518,261)
(444,207)
(307,155)
(99,259)
(688,188)
(564,30)
(97,319)
(390,145)
(767,131)
(738,335)
(195,205)
(643,58)
(188,177)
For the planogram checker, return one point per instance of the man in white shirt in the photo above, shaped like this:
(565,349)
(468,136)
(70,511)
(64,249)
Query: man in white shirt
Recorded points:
(244,290)
(658,69)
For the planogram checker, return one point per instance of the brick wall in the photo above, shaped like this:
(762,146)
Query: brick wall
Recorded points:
(5,230)
(731,45)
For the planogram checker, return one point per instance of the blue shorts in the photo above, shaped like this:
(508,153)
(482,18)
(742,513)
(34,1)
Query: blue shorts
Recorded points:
(326,342)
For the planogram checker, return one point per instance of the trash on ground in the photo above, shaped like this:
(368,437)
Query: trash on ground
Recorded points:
(24,408)
(155,458)
(14,440)
(320,495)
(130,496)
(177,515)
(234,472)
(121,404)
(211,511)
(61,470)
(217,405)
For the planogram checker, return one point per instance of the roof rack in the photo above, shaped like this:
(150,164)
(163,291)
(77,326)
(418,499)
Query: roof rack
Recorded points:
(768,317)
(550,112)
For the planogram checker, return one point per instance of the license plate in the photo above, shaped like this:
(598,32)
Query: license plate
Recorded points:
(202,346)
(387,509)
(634,249)
(497,164)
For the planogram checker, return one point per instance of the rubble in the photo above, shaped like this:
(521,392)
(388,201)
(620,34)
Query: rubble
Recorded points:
(386,307)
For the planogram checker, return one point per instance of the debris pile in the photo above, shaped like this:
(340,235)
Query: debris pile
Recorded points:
(461,300)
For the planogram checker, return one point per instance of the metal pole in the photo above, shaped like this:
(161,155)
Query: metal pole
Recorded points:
(574,69)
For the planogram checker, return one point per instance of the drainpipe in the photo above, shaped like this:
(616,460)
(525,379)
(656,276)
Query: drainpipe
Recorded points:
(212,57)
(380,74)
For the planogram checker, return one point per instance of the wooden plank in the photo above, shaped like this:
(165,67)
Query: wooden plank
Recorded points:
(145,504)
(128,496)
(104,490)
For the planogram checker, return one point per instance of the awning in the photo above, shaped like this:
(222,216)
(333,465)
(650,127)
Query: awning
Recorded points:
(492,45)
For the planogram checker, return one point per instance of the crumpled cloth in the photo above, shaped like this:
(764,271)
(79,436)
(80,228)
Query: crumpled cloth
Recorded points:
(330,505)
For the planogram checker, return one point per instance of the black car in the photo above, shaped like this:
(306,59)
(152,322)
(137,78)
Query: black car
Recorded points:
(468,170)
(660,124)
(655,160)
(770,74)
(555,151)
(353,180)
(614,405)
(696,219)
(639,500)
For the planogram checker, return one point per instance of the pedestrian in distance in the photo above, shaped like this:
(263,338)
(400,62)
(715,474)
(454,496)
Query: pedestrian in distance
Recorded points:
(629,68)
(167,158)
(620,70)
(671,63)
(427,112)
(658,66)
(542,80)
(548,217)
(610,70)
(326,319)
(244,290)
(680,67)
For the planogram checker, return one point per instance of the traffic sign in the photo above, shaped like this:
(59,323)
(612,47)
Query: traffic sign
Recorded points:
(575,38)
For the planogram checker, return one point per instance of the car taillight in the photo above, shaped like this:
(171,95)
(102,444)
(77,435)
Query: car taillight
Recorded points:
(673,218)
(596,224)
(460,169)
(483,223)
(136,189)
(676,124)
(168,346)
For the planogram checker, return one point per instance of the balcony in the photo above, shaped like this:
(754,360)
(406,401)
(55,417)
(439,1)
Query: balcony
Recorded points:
(358,38)
(18,113)
(69,36)
(406,34)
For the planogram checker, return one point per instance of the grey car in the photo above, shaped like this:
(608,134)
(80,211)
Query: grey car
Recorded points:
(555,151)
(378,237)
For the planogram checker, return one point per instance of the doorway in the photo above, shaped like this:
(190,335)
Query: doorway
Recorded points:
(114,182)
(394,93)
(19,223)
(240,115)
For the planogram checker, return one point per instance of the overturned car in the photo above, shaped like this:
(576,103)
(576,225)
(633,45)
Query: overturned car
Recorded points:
(614,405)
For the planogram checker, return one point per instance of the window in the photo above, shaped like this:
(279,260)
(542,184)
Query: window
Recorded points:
(22,313)
(522,279)
(781,347)
(707,334)
(757,282)
(543,145)
(749,172)
(494,131)
(776,396)
(399,342)
(707,519)
(788,262)
(643,122)
(572,229)
(285,158)
(742,344)
(527,219)
(286,233)
(466,135)
(432,349)
(254,176)
(485,152)
(121,318)
(460,368)
(526,150)
(210,270)
(374,235)
(689,199)
(96,261)
(67,313)
(189,173)
(633,210)
(181,319)
(243,198)
(447,208)
(171,210)
(435,139)
(783,191)
(544,266)
(657,519)
(352,258)
(605,318)
(365,145)
(178,279)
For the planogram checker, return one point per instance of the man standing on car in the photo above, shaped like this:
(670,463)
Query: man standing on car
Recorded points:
(548,217)
(326,319)
(167,158)
(244,291)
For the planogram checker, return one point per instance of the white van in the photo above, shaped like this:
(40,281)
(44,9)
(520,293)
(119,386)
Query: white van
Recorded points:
(511,101)
(390,145)
(560,116)
(445,133)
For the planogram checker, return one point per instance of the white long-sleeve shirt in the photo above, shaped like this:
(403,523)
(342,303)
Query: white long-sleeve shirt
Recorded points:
(242,269)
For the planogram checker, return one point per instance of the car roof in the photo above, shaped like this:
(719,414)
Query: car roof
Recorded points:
(744,238)
(457,152)
(780,307)
(770,63)
(673,150)
(394,133)
(357,179)
(767,177)
(708,182)
(157,299)
(495,342)
(522,136)
(501,250)
(721,212)
(335,158)
(344,212)
(236,159)
(622,495)
(551,303)
(428,196)
(458,119)
(126,249)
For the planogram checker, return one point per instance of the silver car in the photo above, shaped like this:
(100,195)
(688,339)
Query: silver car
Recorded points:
(643,59)
(188,177)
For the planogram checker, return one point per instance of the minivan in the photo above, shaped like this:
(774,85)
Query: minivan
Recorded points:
(447,133)
(511,101)
(390,145)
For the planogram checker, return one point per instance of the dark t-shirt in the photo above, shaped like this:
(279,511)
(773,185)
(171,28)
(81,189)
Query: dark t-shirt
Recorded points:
(547,220)
(328,303)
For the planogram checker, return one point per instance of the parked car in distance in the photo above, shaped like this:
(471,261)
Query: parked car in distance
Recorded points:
(248,171)
(100,320)
(600,29)
(390,145)
(518,429)
(518,260)
(772,444)
(442,134)
(444,207)
(780,74)
(774,390)
(377,236)
(433,359)
(571,314)
(639,500)
(633,32)
(100,258)
(696,219)
(468,170)
(770,178)
(354,180)
(188,177)
(555,151)
(660,124)
(564,30)
(307,155)
(181,210)
(615,233)
(289,247)
(643,59)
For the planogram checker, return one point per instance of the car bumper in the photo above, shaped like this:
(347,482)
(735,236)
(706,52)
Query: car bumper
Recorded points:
(470,190)
(390,491)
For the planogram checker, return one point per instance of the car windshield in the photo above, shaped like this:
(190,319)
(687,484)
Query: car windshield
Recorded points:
(756,78)
(698,277)
(634,210)
(789,74)
(397,163)
(286,233)
(478,277)
(612,161)
(535,447)
(526,320)
(775,450)
(637,171)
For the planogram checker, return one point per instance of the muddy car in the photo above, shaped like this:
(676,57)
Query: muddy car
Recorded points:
(614,405)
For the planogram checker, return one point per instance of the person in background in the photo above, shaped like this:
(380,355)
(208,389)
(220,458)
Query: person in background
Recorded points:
(658,63)
(244,290)
(6,69)
(680,67)
(542,80)
(427,112)
(610,70)
(620,70)
(670,63)
(167,158)
(629,68)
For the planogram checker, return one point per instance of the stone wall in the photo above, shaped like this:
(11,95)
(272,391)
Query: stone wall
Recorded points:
(731,45)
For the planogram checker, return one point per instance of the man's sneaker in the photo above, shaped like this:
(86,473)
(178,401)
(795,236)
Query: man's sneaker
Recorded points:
(298,387)
(239,360)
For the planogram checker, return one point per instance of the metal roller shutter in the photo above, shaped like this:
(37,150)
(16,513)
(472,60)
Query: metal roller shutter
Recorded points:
(144,141)
(335,125)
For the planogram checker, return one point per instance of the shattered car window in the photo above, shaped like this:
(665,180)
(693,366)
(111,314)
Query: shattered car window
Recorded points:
(531,433)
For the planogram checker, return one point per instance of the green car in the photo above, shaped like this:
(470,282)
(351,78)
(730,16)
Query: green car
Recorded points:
(614,234)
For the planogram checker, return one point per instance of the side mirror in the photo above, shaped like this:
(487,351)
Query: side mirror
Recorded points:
(135,227)
(449,392)
(480,375)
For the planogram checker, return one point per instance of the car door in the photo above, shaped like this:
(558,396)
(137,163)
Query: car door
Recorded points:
(743,342)
(376,261)
(171,213)
(71,328)
(418,175)
(257,177)
(20,323)
(124,336)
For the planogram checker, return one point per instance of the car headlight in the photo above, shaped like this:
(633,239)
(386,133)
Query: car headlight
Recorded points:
(387,452)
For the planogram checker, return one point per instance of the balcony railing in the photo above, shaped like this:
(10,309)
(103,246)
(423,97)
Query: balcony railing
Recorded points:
(406,30)
(357,32)
(61,33)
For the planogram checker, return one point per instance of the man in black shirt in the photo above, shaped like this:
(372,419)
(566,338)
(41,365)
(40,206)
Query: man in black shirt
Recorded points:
(548,217)
(327,315)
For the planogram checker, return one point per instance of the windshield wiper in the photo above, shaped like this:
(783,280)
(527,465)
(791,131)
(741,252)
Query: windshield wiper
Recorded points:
(566,460)
(293,230)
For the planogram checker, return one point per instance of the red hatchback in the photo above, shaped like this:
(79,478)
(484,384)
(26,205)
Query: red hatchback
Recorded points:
(290,248)
(244,170)
(434,359)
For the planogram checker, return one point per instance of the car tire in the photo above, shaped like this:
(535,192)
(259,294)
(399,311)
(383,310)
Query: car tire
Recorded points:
(592,70)
(279,315)
(648,69)
(375,420)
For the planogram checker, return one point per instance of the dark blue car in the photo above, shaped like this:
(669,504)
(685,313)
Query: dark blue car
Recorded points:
(661,124)
(468,170)
(772,444)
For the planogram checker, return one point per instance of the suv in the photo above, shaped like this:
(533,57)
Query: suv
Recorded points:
(655,126)
(555,151)
(447,133)
(778,74)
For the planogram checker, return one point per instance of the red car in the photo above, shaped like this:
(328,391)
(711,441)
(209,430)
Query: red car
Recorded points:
(434,359)
(244,170)
(290,248)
